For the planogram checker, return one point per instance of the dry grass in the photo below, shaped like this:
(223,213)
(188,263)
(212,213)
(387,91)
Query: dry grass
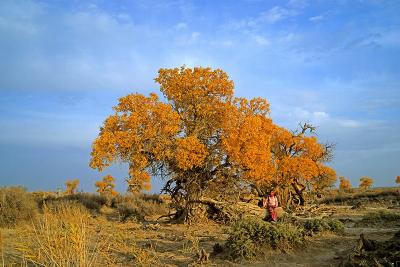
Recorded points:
(61,237)
(67,234)
(124,249)
(16,206)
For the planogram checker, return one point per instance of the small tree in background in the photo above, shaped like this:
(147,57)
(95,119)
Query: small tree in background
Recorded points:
(344,184)
(366,182)
(106,187)
(398,179)
(71,186)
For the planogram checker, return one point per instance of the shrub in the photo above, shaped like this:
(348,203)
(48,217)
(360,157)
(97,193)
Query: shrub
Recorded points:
(16,206)
(248,237)
(139,206)
(127,210)
(380,217)
(90,201)
(321,225)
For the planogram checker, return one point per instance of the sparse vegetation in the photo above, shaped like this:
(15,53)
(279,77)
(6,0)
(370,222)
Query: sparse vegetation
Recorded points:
(101,235)
(91,201)
(351,198)
(60,237)
(326,224)
(16,206)
(138,206)
(249,237)
(380,217)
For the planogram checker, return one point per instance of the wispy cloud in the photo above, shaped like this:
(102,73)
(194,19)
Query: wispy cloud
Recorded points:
(316,18)
(276,14)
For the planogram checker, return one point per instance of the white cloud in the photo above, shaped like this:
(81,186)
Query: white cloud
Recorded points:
(181,26)
(261,40)
(276,14)
(316,18)
(194,36)
(348,123)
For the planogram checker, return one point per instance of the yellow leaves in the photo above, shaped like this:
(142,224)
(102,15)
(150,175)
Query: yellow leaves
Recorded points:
(181,85)
(248,145)
(139,180)
(203,128)
(366,182)
(300,158)
(201,96)
(298,167)
(140,124)
(106,186)
(71,186)
(344,184)
(398,179)
(190,153)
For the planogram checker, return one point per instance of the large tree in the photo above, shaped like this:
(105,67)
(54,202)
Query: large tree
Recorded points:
(203,140)
(299,161)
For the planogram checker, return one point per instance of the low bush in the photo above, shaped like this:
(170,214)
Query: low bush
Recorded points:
(249,237)
(363,196)
(139,206)
(90,201)
(380,217)
(312,226)
(16,206)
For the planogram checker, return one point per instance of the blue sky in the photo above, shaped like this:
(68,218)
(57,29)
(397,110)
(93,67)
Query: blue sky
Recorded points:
(63,65)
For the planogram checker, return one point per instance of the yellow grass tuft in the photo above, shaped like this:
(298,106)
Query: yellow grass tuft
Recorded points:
(61,237)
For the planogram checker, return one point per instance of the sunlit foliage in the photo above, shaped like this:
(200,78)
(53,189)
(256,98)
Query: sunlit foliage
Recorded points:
(366,182)
(106,186)
(299,161)
(398,179)
(344,184)
(71,186)
(203,139)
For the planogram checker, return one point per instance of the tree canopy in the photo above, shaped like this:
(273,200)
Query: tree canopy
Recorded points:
(203,139)
(71,186)
(366,182)
(344,184)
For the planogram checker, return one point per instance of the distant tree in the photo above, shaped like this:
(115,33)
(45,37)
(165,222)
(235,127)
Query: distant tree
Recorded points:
(106,186)
(398,179)
(366,182)
(71,186)
(344,184)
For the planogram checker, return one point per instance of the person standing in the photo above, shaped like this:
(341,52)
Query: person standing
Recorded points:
(271,203)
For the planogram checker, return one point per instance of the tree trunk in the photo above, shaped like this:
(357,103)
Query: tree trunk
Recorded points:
(299,192)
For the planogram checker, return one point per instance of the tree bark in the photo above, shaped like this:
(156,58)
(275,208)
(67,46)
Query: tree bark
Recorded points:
(299,192)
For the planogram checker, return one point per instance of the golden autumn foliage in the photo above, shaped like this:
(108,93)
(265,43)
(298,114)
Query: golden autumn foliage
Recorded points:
(106,186)
(202,138)
(398,179)
(366,182)
(299,161)
(344,184)
(71,186)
